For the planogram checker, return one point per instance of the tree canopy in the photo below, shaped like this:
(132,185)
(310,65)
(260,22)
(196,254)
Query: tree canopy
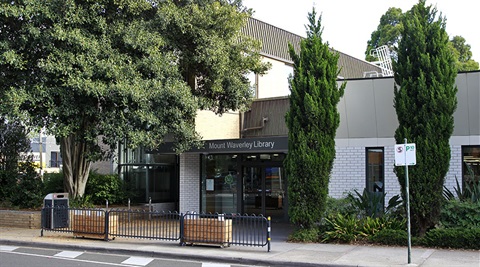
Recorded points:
(312,122)
(389,33)
(122,70)
(425,100)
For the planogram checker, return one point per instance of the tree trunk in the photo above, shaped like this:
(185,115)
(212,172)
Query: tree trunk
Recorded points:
(75,165)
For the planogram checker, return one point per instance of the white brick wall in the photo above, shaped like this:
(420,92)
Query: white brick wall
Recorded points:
(348,172)
(189,182)
(455,168)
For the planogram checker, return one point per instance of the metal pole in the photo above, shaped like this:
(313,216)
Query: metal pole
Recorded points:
(269,229)
(408,206)
(129,210)
(150,208)
(40,150)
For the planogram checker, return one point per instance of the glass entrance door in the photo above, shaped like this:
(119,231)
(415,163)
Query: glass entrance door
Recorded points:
(264,191)
(252,190)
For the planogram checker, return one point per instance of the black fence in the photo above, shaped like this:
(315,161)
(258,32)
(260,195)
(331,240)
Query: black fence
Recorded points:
(188,229)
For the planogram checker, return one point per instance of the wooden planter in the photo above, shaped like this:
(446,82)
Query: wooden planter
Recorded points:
(207,231)
(91,224)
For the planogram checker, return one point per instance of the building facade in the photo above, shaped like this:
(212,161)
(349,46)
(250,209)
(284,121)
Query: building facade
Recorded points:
(240,168)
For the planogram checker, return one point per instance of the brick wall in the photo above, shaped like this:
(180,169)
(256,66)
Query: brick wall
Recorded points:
(20,219)
(189,182)
(348,171)
(455,168)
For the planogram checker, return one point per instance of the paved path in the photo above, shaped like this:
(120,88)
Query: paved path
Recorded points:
(282,253)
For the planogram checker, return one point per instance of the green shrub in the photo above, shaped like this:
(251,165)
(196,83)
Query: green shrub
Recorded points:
(390,237)
(465,238)
(370,226)
(304,235)
(469,192)
(460,214)
(28,188)
(101,187)
(81,202)
(371,204)
(7,184)
(339,206)
(53,183)
(345,229)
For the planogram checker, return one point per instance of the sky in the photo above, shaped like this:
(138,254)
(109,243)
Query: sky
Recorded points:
(348,24)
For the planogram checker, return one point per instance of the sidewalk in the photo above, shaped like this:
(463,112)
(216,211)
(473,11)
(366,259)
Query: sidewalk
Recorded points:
(282,253)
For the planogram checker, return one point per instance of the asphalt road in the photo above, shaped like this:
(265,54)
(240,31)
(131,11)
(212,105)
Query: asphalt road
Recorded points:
(11,256)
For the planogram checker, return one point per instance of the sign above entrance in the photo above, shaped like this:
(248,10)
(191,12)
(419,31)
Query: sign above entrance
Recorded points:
(245,145)
(277,144)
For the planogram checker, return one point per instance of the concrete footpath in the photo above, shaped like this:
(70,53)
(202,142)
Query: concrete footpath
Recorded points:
(282,253)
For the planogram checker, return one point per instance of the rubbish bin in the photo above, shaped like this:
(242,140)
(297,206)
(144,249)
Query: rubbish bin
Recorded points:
(55,211)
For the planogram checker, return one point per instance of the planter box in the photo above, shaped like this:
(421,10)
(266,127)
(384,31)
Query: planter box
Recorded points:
(207,231)
(91,224)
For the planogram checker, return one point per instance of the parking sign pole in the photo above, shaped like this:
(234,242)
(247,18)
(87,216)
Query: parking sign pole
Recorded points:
(408,207)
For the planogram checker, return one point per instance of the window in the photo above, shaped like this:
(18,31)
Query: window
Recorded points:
(471,164)
(55,159)
(219,183)
(252,78)
(149,175)
(375,170)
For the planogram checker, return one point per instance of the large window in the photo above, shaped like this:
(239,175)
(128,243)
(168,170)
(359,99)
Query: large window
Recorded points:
(219,183)
(149,176)
(375,170)
(471,164)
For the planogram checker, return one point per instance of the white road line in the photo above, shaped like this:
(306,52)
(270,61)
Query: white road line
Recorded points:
(7,248)
(137,261)
(67,259)
(68,254)
(214,265)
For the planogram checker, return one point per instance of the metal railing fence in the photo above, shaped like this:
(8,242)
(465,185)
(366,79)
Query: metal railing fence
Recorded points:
(189,228)
(145,224)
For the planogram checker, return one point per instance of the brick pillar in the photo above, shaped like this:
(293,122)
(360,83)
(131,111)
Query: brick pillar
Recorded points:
(189,182)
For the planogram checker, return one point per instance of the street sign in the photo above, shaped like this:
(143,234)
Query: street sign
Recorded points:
(405,154)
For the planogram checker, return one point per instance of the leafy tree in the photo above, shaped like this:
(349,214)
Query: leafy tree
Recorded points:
(389,32)
(14,143)
(312,122)
(425,100)
(462,52)
(28,187)
(20,184)
(118,70)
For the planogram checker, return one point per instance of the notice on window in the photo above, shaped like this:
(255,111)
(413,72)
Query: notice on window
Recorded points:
(210,185)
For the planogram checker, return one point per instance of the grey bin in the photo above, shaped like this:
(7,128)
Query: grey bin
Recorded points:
(55,211)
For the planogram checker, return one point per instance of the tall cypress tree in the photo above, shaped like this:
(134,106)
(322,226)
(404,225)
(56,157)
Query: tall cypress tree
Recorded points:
(425,100)
(312,122)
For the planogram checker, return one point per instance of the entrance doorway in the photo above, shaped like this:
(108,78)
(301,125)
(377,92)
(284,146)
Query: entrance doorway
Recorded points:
(264,191)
